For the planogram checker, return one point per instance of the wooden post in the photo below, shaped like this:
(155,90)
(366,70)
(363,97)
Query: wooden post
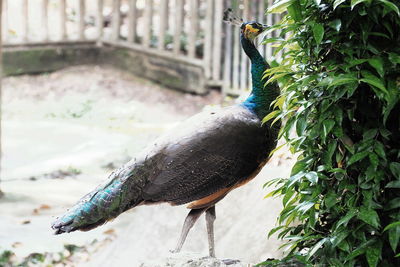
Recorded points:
(228,59)
(163,24)
(261,19)
(219,6)
(178,26)
(81,19)
(132,18)
(1,76)
(193,9)
(116,19)
(99,19)
(269,22)
(236,58)
(244,59)
(63,20)
(208,38)
(4,29)
(148,18)
(25,23)
(45,20)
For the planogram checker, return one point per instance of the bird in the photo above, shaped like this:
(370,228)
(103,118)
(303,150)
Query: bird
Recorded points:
(198,163)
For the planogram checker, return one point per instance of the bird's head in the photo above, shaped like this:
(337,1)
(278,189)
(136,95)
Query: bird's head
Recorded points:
(250,30)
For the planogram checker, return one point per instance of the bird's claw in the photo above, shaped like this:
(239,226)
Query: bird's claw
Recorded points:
(174,250)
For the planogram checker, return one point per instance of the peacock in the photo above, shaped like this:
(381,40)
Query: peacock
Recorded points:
(198,163)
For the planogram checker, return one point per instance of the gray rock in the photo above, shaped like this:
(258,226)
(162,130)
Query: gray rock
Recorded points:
(185,259)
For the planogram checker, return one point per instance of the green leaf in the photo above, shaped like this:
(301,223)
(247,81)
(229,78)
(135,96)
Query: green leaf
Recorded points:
(391,6)
(395,169)
(394,236)
(312,177)
(371,133)
(357,157)
(380,150)
(301,125)
(394,58)
(318,31)
(335,24)
(373,254)
(280,6)
(369,216)
(391,226)
(305,206)
(327,127)
(360,249)
(299,166)
(344,220)
(373,158)
(343,79)
(393,204)
(330,199)
(393,184)
(294,11)
(337,3)
(373,80)
(287,197)
(316,247)
(274,230)
(356,2)
(377,63)
(270,116)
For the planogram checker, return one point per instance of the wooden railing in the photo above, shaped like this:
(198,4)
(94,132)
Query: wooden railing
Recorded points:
(187,30)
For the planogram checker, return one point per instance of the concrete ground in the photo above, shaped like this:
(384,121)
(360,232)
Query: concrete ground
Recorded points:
(64,132)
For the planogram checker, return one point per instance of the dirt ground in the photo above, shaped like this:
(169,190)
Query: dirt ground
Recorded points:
(63,134)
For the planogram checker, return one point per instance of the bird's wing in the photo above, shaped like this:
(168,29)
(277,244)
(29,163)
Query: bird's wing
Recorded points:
(211,153)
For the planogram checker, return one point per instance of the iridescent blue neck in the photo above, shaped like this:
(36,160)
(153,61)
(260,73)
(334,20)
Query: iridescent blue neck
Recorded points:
(260,98)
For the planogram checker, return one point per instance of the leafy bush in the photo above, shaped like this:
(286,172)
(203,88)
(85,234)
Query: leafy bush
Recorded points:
(340,80)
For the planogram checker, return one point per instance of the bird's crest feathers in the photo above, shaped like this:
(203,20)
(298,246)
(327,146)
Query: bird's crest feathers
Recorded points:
(232,18)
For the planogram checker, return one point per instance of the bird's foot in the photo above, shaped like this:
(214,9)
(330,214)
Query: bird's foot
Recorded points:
(174,250)
(230,261)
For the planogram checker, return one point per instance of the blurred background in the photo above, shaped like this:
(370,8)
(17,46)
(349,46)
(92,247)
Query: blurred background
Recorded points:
(86,85)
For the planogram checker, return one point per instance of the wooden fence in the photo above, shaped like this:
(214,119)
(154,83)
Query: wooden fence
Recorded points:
(186,30)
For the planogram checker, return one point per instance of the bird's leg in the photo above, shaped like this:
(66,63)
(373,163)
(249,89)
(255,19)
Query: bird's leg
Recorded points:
(190,220)
(210,218)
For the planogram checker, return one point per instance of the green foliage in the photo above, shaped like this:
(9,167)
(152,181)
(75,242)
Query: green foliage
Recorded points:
(340,80)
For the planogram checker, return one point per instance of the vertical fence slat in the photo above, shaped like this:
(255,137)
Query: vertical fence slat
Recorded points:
(81,20)
(63,20)
(261,19)
(4,28)
(163,24)
(1,76)
(236,58)
(228,59)
(193,7)
(244,59)
(178,26)
(45,19)
(25,22)
(132,18)
(219,6)
(116,20)
(269,22)
(99,19)
(208,38)
(148,18)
